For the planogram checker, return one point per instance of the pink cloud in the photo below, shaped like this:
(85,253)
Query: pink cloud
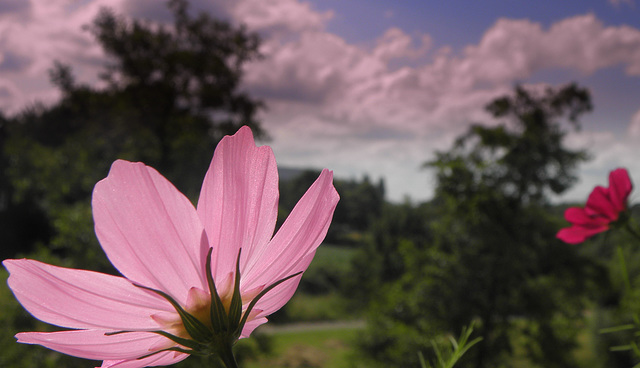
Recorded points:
(395,44)
(280,17)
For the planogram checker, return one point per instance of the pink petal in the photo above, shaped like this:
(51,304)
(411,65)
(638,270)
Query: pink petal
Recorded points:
(149,230)
(94,344)
(250,326)
(82,299)
(578,234)
(619,188)
(281,294)
(164,358)
(598,204)
(238,203)
(299,236)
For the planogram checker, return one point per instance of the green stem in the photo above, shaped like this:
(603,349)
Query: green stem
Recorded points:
(632,231)
(226,356)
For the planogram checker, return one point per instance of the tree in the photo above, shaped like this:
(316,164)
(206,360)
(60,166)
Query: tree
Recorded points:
(494,242)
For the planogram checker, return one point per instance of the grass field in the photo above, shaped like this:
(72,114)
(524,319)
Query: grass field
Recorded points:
(318,345)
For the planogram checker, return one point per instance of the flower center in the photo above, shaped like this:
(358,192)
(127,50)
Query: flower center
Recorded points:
(211,322)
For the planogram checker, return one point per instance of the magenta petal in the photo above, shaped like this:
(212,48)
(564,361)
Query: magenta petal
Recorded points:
(238,202)
(149,230)
(94,344)
(578,234)
(577,215)
(81,299)
(619,188)
(598,203)
(164,358)
(299,236)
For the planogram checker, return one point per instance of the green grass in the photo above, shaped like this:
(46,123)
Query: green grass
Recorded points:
(312,308)
(318,297)
(323,347)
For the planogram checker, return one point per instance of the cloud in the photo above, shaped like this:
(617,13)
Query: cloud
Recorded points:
(14,8)
(359,85)
(609,151)
(349,99)
(395,44)
(633,130)
(380,107)
(280,18)
(619,3)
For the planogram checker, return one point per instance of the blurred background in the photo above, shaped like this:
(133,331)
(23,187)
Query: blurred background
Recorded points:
(458,132)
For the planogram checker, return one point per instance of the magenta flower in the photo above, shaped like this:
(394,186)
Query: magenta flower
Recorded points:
(195,280)
(604,207)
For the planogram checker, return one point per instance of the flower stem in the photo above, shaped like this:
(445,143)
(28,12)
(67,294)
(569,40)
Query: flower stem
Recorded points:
(226,356)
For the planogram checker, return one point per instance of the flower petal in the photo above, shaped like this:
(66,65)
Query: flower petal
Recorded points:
(252,325)
(281,294)
(149,230)
(578,216)
(620,187)
(81,299)
(164,358)
(94,344)
(598,203)
(578,234)
(300,235)
(238,203)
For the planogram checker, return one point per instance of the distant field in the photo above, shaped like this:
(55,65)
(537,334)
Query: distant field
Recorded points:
(310,346)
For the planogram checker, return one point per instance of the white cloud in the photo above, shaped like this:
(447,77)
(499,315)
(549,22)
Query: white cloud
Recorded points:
(280,17)
(609,152)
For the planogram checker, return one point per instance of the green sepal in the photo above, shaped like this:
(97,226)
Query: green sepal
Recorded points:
(173,349)
(191,344)
(196,329)
(218,316)
(235,307)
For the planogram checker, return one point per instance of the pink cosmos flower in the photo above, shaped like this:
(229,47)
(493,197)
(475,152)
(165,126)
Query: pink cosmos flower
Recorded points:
(195,280)
(603,207)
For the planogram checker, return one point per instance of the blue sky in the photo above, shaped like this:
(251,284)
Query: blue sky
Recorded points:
(375,87)
(459,22)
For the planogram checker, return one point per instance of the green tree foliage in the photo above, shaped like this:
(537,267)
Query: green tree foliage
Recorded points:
(494,257)
(400,231)
(171,94)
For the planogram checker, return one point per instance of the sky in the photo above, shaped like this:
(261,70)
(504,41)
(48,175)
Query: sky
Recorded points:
(376,87)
